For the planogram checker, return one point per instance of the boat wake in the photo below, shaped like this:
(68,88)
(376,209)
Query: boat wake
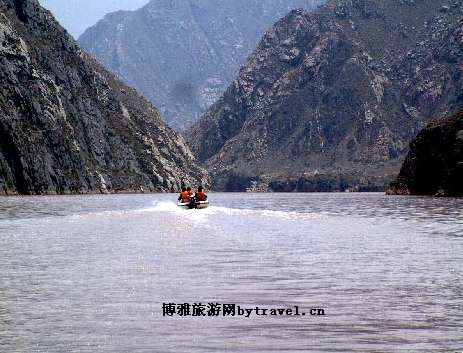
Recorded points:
(170,207)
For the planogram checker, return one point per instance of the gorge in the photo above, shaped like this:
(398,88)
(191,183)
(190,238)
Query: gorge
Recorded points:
(69,126)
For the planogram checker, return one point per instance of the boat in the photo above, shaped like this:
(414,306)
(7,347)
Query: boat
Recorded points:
(198,205)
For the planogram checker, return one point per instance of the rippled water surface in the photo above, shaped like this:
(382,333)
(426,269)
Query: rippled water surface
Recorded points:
(90,273)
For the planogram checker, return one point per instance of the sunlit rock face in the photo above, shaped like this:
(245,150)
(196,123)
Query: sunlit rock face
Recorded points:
(69,126)
(330,100)
(182,54)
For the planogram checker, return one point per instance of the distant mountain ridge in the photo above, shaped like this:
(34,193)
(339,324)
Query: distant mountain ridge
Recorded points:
(78,15)
(182,54)
(69,126)
(330,100)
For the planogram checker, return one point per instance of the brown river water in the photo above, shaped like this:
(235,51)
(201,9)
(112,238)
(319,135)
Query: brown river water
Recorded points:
(91,273)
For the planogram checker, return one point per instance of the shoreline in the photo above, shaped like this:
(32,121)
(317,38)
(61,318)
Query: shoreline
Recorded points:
(128,193)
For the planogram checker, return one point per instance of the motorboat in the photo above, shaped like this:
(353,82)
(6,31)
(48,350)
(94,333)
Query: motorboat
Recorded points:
(193,205)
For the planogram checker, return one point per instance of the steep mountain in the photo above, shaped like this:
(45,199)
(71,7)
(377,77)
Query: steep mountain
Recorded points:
(182,54)
(69,126)
(331,99)
(434,165)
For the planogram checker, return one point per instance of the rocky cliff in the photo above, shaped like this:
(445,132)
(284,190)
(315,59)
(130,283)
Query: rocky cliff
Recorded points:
(434,165)
(182,54)
(68,126)
(330,100)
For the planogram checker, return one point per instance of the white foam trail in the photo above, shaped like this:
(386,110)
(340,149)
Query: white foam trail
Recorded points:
(197,216)
(170,207)
(164,206)
(290,215)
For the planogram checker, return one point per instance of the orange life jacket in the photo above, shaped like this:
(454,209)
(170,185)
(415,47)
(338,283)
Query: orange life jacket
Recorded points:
(185,195)
(201,196)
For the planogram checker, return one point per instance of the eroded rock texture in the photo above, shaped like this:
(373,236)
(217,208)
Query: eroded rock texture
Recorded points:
(68,126)
(330,100)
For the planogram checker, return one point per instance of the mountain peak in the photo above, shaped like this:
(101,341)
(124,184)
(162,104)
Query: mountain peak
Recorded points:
(333,97)
(183,54)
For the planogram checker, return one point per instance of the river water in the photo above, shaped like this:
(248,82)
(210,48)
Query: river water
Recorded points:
(91,273)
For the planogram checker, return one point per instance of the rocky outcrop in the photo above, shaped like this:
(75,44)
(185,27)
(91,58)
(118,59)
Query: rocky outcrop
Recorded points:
(331,99)
(182,54)
(69,126)
(434,165)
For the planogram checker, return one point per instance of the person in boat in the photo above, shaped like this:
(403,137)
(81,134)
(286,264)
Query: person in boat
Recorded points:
(185,196)
(200,195)
(192,199)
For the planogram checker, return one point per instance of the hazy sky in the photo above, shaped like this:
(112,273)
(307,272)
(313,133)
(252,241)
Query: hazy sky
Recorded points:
(77,15)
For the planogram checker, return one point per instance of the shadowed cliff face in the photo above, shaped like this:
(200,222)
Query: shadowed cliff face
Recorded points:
(434,165)
(182,54)
(68,126)
(330,100)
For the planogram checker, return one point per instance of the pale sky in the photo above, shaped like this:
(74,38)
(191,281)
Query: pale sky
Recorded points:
(77,15)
